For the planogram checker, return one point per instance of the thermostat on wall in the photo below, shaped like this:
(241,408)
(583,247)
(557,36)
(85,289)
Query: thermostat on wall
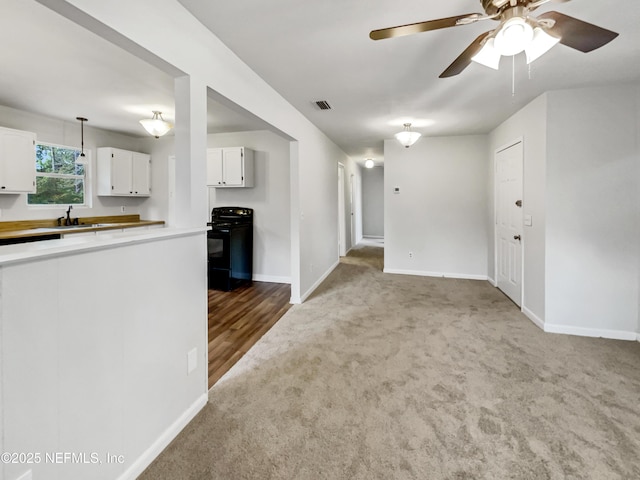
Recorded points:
(396,189)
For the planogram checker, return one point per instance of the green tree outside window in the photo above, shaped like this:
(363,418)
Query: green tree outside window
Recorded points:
(60,180)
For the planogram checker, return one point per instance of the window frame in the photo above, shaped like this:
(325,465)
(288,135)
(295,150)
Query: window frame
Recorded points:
(85,178)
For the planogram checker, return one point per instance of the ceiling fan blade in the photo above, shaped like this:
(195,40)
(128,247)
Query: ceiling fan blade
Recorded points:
(532,6)
(463,61)
(577,34)
(419,27)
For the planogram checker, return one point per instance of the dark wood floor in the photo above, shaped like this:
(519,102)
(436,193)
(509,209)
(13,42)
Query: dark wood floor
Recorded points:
(237,320)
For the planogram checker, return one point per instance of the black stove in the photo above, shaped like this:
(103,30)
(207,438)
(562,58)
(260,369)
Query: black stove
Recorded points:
(230,247)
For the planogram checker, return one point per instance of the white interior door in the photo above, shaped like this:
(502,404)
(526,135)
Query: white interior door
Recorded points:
(342,248)
(351,208)
(509,221)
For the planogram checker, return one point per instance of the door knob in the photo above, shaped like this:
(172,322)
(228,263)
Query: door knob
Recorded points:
(518,203)
(517,237)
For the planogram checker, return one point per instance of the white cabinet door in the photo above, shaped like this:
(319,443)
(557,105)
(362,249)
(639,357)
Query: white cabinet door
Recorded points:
(121,183)
(17,161)
(214,167)
(123,173)
(141,173)
(232,168)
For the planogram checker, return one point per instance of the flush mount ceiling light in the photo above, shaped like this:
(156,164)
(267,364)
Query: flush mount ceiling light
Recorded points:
(407,137)
(156,126)
(369,163)
(81,159)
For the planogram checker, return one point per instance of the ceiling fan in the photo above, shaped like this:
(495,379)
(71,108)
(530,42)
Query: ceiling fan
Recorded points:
(517,32)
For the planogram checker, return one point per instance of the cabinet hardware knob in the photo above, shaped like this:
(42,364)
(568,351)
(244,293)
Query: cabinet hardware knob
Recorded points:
(517,237)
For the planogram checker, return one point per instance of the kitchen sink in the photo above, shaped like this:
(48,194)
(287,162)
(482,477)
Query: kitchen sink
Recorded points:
(64,227)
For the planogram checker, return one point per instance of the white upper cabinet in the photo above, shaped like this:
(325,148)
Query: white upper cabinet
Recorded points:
(123,173)
(17,161)
(230,167)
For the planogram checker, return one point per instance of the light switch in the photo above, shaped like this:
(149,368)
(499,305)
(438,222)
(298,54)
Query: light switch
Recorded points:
(528,221)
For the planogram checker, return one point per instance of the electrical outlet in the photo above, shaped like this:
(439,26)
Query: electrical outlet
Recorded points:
(122,209)
(410,254)
(192,360)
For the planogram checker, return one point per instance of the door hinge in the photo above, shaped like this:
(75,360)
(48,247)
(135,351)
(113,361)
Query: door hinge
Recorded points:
(112,155)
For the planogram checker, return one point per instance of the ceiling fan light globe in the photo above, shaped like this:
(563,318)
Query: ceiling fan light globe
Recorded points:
(488,55)
(542,42)
(513,37)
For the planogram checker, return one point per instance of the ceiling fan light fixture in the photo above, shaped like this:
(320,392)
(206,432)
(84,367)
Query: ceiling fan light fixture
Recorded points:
(542,42)
(514,36)
(407,137)
(156,126)
(488,55)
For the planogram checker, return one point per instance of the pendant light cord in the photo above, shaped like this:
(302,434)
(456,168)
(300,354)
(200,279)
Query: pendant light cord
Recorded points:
(82,120)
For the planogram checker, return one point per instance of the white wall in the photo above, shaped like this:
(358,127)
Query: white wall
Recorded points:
(530,125)
(593,186)
(94,354)
(157,205)
(373,202)
(269,198)
(440,213)
(67,133)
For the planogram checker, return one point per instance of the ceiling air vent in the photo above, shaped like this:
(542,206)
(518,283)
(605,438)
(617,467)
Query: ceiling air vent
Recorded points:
(323,104)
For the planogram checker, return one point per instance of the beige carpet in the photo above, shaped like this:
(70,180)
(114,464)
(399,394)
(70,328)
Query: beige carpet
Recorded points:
(382,376)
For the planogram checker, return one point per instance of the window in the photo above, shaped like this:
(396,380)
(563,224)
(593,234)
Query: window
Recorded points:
(60,180)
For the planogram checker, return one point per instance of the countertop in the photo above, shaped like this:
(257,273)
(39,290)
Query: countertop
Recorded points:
(36,228)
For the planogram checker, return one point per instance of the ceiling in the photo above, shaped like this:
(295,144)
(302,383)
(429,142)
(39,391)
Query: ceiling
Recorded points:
(311,51)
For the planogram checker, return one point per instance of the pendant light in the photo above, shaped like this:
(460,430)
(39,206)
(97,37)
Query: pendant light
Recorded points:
(156,126)
(407,137)
(81,159)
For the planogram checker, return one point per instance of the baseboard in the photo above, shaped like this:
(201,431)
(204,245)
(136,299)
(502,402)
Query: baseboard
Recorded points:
(316,284)
(149,455)
(257,277)
(591,332)
(461,276)
(534,318)
(638,337)
(492,282)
